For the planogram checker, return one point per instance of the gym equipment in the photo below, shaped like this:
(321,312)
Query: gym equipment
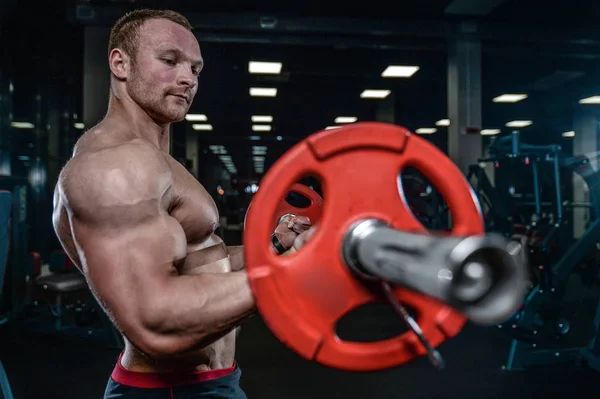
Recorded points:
(312,211)
(20,269)
(367,238)
(542,333)
(64,304)
(498,216)
(64,289)
(504,208)
(543,220)
(5,206)
(545,330)
(424,201)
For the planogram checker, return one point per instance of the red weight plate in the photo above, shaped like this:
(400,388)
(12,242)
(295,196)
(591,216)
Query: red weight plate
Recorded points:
(312,211)
(302,297)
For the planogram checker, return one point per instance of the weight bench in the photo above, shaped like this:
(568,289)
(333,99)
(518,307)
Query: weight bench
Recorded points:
(64,279)
(5,207)
(65,283)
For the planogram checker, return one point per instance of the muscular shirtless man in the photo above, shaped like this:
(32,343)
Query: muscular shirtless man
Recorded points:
(142,229)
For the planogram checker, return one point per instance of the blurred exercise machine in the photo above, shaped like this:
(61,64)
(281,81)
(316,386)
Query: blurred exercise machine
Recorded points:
(560,319)
(21,266)
(5,205)
(505,206)
(56,300)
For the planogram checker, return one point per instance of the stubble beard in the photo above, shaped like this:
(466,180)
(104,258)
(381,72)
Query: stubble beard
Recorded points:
(154,101)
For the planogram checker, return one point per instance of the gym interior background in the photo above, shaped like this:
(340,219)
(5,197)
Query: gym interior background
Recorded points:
(508,89)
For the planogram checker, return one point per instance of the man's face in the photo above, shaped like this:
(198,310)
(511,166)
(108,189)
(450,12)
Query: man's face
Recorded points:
(164,73)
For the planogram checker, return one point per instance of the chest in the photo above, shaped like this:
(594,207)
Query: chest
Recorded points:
(192,206)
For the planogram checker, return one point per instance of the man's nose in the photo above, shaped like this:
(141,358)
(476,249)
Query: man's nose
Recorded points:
(187,78)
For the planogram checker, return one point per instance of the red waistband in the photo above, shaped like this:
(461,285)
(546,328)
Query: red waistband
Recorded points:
(138,379)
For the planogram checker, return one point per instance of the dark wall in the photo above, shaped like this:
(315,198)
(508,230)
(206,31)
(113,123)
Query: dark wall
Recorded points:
(40,81)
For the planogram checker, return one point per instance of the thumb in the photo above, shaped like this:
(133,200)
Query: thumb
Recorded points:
(304,237)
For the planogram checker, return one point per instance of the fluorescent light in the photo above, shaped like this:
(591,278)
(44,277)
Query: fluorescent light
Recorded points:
(490,132)
(262,118)
(426,130)
(332,127)
(399,71)
(254,138)
(263,92)
(264,67)
(259,150)
(218,149)
(202,126)
(196,118)
(510,98)
(569,134)
(79,125)
(346,119)
(590,100)
(519,123)
(22,125)
(443,122)
(261,128)
(370,93)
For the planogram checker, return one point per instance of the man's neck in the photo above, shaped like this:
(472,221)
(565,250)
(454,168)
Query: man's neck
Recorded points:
(128,113)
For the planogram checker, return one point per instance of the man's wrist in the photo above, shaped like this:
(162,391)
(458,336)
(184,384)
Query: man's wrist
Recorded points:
(276,245)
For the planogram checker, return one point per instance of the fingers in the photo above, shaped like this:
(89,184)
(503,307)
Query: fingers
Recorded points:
(304,237)
(297,224)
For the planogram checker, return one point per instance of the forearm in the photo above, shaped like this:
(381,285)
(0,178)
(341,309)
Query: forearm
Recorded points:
(195,310)
(236,257)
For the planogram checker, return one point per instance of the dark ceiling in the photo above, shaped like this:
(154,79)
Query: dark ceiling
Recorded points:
(332,50)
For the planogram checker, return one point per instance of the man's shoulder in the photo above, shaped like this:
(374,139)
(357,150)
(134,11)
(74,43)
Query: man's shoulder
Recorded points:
(130,152)
(127,167)
(99,142)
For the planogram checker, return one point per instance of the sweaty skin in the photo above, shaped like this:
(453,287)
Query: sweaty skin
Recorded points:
(141,228)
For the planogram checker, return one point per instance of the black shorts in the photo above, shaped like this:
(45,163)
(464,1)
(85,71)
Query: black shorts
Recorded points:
(214,384)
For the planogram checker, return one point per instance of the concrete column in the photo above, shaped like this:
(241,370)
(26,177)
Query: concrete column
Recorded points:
(96,75)
(39,203)
(464,97)
(585,142)
(191,150)
(54,138)
(386,111)
(178,143)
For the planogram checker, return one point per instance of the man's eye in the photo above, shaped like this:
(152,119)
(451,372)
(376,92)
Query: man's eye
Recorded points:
(168,61)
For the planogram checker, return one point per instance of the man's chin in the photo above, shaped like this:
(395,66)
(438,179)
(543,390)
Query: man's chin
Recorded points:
(175,115)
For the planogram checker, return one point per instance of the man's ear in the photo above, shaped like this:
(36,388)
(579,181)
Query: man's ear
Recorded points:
(119,63)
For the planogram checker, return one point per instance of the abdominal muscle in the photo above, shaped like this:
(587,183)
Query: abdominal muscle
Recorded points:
(218,355)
